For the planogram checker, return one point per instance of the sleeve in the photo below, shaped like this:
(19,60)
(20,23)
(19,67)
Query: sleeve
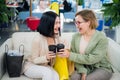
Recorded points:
(73,44)
(95,55)
(67,45)
(80,68)
(36,56)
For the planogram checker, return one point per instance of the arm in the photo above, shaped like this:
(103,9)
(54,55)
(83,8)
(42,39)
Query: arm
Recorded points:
(80,68)
(83,76)
(37,57)
(95,55)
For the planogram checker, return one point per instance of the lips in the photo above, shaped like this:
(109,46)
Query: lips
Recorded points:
(80,29)
(56,29)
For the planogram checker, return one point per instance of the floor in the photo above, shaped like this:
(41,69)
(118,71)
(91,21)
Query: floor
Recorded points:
(17,26)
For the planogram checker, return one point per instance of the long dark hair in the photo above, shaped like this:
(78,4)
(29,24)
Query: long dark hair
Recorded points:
(46,26)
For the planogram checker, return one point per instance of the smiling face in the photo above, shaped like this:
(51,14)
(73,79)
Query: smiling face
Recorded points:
(82,25)
(85,21)
(57,25)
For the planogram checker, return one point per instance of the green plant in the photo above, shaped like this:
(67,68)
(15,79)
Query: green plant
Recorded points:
(112,12)
(80,2)
(4,12)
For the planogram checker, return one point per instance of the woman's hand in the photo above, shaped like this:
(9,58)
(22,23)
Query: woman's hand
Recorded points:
(64,53)
(83,76)
(50,55)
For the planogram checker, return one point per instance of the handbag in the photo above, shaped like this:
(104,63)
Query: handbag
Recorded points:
(14,60)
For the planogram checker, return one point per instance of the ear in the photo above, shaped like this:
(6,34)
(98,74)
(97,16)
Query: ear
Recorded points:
(88,23)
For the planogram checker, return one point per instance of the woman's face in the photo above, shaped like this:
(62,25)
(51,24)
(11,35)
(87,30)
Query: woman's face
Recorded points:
(57,25)
(81,24)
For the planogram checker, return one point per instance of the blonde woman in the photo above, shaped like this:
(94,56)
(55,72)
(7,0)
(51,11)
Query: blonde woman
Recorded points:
(88,49)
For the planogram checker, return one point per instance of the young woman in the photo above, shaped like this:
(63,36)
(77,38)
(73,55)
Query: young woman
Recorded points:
(37,64)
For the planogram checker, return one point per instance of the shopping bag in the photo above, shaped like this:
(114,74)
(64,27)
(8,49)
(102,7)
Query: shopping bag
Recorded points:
(71,66)
(14,60)
(62,68)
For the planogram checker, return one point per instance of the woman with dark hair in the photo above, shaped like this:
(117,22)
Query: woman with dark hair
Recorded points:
(39,63)
(46,26)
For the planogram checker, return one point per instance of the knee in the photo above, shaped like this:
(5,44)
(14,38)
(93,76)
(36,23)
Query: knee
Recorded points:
(75,76)
(90,78)
(50,74)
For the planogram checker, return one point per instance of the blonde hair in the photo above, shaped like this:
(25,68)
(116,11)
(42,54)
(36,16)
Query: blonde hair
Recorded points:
(88,15)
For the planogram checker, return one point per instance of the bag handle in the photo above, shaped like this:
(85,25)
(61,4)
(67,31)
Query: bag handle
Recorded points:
(20,48)
(6,48)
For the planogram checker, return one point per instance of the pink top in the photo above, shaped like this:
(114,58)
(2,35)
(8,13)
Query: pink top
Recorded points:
(83,45)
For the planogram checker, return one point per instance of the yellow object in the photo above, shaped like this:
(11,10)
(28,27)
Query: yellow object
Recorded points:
(70,66)
(55,6)
(61,67)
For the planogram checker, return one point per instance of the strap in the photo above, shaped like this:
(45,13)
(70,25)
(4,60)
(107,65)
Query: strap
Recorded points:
(22,49)
(6,48)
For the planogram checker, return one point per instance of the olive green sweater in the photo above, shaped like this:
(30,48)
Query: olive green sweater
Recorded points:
(95,53)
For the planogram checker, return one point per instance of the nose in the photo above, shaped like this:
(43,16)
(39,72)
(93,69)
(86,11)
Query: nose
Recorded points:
(77,26)
(59,25)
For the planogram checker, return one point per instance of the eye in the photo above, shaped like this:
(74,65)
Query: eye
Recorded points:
(79,22)
(58,22)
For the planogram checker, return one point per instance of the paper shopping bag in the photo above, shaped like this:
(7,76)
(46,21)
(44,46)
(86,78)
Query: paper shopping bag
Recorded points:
(14,61)
(71,67)
(62,68)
